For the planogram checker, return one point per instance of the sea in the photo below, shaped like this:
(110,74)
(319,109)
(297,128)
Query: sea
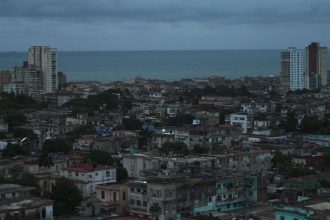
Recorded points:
(110,66)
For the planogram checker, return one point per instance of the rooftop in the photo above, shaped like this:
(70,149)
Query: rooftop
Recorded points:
(8,206)
(5,188)
(86,168)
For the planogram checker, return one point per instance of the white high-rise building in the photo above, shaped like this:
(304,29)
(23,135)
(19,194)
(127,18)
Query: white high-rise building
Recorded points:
(45,58)
(297,67)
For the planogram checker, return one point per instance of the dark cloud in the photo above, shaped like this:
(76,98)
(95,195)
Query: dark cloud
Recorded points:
(219,11)
(163,24)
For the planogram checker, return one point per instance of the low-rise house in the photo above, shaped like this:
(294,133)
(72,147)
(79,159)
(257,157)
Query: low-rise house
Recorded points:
(17,202)
(307,183)
(113,198)
(84,143)
(169,197)
(80,119)
(159,139)
(59,162)
(262,126)
(138,198)
(107,144)
(243,120)
(206,136)
(253,161)
(307,210)
(136,163)
(236,191)
(89,207)
(88,176)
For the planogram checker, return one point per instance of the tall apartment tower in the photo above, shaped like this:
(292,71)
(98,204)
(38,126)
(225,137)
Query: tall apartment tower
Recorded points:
(296,68)
(317,65)
(285,71)
(45,58)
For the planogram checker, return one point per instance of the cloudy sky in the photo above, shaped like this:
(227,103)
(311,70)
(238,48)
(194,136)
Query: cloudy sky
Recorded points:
(163,24)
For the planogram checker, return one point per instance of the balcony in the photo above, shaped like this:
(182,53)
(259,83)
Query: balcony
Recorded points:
(138,209)
(232,200)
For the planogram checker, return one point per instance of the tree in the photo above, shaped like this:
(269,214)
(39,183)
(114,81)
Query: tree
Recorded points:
(310,124)
(56,145)
(300,171)
(174,147)
(325,183)
(180,120)
(79,131)
(132,124)
(327,159)
(281,161)
(100,157)
(291,122)
(14,150)
(107,100)
(144,138)
(66,195)
(198,149)
(28,179)
(12,102)
(45,160)
(15,119)
(24,132)
(122,174)
(22,178)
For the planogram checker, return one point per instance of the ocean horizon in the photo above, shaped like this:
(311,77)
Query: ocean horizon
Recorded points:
(169,65)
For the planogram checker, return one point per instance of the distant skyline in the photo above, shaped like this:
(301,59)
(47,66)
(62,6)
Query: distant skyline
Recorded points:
(84,25)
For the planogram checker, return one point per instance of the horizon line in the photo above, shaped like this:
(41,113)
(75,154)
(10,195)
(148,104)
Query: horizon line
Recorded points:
(138,50)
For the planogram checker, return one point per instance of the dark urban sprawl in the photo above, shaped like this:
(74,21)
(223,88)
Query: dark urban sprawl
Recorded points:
(207,148)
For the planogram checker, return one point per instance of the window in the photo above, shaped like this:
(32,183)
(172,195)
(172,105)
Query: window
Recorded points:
(144,204)
(102,194)
(96,174)
(124,196)
(282,218)
(43,212)
(114,196)
(132,201)
(138,202)
(77,174)
(228,206)
(132,189)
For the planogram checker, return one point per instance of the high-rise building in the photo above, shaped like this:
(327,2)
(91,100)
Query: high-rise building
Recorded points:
(61,80)
(317,65)
(26,79)
(285,71)
(296,68)
(5,78)
(45,58)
